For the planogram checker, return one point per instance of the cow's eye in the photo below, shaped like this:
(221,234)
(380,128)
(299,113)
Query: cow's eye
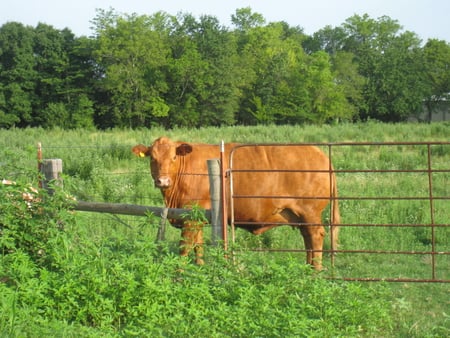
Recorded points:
(174,158)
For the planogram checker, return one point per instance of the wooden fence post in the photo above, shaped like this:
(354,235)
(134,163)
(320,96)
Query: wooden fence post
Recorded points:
(161,235)
(52,170)
(214,191)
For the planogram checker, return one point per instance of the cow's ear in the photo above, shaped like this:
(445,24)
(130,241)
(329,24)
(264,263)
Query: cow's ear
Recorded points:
(141,150)
(184,149)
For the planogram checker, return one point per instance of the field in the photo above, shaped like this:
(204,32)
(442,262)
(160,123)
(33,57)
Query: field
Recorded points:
(105,275)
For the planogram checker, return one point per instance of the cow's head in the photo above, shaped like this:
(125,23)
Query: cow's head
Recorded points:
(164,155)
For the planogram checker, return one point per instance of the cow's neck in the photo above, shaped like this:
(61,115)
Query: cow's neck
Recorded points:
(171,195)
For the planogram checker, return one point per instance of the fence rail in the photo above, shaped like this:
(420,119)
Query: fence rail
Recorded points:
(133,209)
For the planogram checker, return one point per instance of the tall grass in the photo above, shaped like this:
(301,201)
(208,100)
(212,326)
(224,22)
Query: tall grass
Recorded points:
(108,277)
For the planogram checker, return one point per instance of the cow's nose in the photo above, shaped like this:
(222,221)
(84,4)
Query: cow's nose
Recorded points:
(163,182)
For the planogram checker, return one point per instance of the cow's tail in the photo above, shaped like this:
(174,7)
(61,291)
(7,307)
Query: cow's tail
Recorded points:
(336,217)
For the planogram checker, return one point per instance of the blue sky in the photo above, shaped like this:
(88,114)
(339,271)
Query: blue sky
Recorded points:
(427,18)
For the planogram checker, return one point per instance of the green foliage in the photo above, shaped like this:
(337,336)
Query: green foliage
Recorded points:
(245,19)
(437,59)
(16,73)
(391,62)
(121,285)
(45,79)
(31,221)
(183,71)
(132,54)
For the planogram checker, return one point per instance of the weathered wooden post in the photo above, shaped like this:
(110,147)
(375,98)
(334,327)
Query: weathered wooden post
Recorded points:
(214,191)
(52,170)
(161,235)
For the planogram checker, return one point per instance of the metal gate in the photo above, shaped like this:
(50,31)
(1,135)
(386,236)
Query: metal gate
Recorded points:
(397,192)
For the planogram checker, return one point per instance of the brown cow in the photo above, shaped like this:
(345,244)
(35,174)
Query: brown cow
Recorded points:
(301,186)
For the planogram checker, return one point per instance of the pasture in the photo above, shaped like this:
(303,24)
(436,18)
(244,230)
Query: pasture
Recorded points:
(108,277)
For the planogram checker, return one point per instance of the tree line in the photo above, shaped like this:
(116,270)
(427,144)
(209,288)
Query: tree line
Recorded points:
(183,71)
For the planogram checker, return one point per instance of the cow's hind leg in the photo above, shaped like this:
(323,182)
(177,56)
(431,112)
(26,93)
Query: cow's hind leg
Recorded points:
(313,234)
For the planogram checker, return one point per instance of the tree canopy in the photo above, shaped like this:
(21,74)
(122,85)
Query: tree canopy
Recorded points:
(160,69)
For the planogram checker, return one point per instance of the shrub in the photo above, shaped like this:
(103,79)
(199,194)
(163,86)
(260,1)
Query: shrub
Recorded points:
(31,220)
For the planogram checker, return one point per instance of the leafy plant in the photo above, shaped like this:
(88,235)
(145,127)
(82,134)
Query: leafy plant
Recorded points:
(30,220)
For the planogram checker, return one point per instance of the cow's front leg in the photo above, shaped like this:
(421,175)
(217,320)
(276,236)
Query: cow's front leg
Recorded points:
(313,237)
(198,245)
(192,238)
(187,240)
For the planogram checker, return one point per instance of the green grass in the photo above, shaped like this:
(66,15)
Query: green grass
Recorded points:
(109,278)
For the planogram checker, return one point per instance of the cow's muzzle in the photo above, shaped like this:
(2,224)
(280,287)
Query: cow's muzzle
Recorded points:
(163,182)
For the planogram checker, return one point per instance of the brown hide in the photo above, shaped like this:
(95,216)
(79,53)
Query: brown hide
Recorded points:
(179,169)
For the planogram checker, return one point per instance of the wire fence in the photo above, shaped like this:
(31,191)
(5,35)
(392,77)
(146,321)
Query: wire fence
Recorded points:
(394,199)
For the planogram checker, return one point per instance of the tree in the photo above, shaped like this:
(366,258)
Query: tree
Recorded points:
(329,39)
(51,59)
(350,82)
(17,75)
(42,76)
(202,73)
(132,55)
(284,84)
(391,63)
(244,19)
(185,73)
(81,113)
(266,62)
(327,98)
(437,66)
(219,99)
